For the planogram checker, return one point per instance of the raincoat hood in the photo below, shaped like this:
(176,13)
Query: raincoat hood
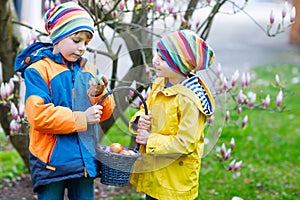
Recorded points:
(35,52)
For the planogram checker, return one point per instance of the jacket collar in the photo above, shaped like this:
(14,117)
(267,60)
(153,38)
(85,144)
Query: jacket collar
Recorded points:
(38,51)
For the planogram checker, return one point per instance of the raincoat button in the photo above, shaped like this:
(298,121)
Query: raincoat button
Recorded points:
(180,163)
(27,60)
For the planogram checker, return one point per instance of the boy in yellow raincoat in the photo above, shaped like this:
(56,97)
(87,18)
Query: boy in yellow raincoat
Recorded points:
(171,137)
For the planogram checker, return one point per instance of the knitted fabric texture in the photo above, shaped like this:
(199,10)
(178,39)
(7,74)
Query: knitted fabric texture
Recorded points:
(185,51)
(66,19)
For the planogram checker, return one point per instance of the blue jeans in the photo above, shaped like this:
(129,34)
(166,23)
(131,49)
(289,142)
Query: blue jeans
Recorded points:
(77,189)
(149,198)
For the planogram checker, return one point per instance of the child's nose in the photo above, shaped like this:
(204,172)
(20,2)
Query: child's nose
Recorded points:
(82,47)
(155,61)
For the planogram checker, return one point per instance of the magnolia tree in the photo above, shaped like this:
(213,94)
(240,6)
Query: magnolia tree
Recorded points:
(139,24)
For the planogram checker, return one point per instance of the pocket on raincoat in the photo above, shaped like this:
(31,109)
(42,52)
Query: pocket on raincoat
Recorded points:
(180,175)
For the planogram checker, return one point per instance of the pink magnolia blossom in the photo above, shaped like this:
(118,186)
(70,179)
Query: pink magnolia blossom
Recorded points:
(239,109)
(245,121)
(227,155)
(243,80)
(272,18)
(232,143)
(14,126)
(170,9)
(227,115)
(121,6)
(235,77)
(14,111)
(231,165)
(3,93)
(47,5)
(211,119)
(223,150)
(240,98)
(22,112)
(225,83)
(267,101)
(279,98)
(283,11)
(219,69)
(277,80)
(252,99)
(248,78)
(293,15)
(237,166)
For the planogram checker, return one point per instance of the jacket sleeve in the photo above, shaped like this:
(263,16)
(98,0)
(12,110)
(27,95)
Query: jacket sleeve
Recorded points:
(108,104)
(42,115)
(190,132)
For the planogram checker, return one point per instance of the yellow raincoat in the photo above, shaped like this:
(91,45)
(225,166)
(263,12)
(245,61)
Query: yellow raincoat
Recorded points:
(170,163)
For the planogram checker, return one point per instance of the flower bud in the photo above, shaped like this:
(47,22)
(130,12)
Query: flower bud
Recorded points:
(277,80)
(227,155)
(22,112)
(252,99)
(224,83)
(240,98)
(237,166)
(47,5)
(245,121)
(267,101)
(279,98)
(243,80)
(170,9)
(211,119)
(272,19)
(235,77)
(293,15)
(227,116)
(232,144)
(219,69)
(231,165)
(239,109)
(283,11)
(223,150)
(248,79)
(121,6)
(14,111)
(3,91)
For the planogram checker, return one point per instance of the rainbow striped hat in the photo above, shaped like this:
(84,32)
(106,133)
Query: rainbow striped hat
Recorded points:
(185,51)
(66,19)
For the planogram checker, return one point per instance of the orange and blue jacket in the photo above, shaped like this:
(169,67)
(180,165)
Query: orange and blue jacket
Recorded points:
(62,144)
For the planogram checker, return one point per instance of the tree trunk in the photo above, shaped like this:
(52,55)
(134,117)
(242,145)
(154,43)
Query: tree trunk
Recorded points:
(8,51)
(295,28)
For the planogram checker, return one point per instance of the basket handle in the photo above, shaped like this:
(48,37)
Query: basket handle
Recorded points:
(110,92)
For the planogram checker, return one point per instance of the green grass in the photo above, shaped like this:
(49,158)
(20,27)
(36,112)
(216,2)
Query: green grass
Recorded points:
(268,146)
(11,165)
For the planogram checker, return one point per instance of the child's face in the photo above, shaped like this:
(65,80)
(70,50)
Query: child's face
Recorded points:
(73,46)
(162,68)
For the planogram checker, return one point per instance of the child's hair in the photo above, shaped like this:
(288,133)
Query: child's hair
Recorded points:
(65,19)
(185,51)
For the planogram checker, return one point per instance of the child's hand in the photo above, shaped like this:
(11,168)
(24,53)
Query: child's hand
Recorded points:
(93,114)
(97,85)
(142,136)
(145,122)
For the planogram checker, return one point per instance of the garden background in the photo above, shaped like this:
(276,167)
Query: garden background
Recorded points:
(268,146)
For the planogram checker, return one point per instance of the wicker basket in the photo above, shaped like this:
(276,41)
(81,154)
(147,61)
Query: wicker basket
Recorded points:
(115,167)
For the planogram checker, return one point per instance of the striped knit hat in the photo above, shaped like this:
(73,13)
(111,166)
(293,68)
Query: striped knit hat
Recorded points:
(66,19)
(185,51)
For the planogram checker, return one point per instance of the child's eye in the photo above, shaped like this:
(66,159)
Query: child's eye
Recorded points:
(161,57)
(76,40)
